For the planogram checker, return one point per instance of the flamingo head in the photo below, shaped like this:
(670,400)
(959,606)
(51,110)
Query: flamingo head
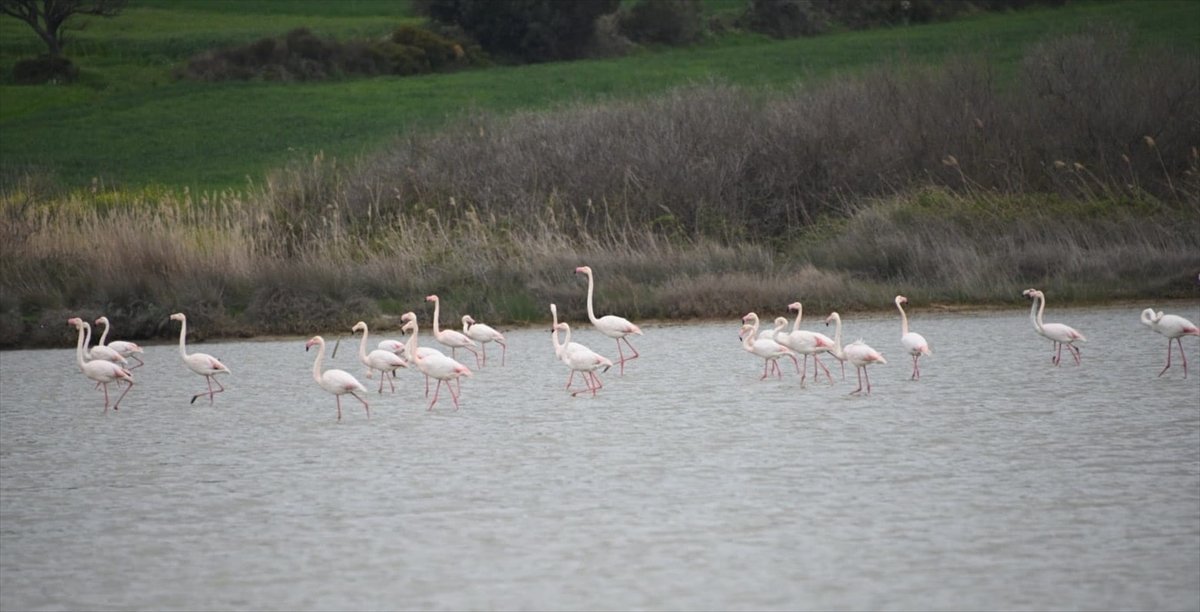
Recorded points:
(76,321)
(1031,293)
(431,298)
(794,306)
(750,316)
(360,325)
(312,341)
(900,299)
(468,320)
(563,327)
(833,316)
(746,329)
(583,270)
(780,321)
(408,316)
(410,325)
(102,321)
(178,317)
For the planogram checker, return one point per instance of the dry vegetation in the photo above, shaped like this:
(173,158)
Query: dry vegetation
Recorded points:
(1080,175)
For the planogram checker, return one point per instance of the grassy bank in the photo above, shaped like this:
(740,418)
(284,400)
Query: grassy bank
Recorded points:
(129,124)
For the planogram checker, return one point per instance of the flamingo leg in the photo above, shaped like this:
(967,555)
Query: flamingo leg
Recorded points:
(1074,353)
(867,375)
(426,385)
(1182,355)
(623,359)
(503,352)
(127,388)
(916,375)
(816,377)
(364,402)
(804,372)
(140,362)
(766,364)
(1168,366)
(382,375)
(437,390)
(105,386)
(1058,355)
(453,395)
(795,361)
(570,379)
(483,352)
(596,387)
(776,369)
(860,385)
(338,398)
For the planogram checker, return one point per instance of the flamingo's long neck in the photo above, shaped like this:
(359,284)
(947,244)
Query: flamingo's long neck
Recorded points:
(411,347)
(748,339)
(566,336)
(183,338)
(591,288)
(799,314)
(87,342)
(362,346)
(1040,302)
(103,336)
(837,338)
(437,306)
(903,320)
(79,348)
(466,327)
(317,362)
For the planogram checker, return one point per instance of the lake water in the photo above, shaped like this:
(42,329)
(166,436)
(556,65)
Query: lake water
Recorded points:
(997,481)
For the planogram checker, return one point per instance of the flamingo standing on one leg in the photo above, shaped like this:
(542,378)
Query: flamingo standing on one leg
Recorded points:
(337,382)
(913,342)
(579,358)
(201,363)
(435,365)
(448,337)
(125,349)
(610,325)
(378,359)
(857,353)
(483,333)
(1057,332)
(100,370)
(766,348)
(1174,327)
(805,343)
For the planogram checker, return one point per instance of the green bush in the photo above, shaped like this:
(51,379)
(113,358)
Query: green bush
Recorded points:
(44,69)
(529,30)
(785,18)
(670,22)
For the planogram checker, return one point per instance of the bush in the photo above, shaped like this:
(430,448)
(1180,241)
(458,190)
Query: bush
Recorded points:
(529,30)
(670,22)
(785,18)
(44,69)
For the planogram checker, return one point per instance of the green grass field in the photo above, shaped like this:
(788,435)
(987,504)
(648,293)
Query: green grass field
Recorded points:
(130,124)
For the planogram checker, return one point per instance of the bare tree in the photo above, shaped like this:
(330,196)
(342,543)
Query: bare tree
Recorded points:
(47,17)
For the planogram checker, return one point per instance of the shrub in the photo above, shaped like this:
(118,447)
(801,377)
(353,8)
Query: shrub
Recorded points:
(785,18)
(528,30)
(44,69)
(670,22)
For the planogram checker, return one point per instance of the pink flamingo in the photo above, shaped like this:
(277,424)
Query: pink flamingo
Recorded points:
(857,353)
(483,333)
(805,343)
(913,342)
(558,349)
(100,352)
(448,337)
(337,382)
(579,358)
(384,361)
(128,350)
(425,351)
(1056,332)
(201,363)
(766,348)
(1174,327)
(610,325)
(441,367)
(99,370)
(392,346)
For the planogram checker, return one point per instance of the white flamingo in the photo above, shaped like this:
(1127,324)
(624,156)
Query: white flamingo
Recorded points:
(483,333)
(449,337)
(805,343)
(102,353)
(201,363)
(392,346)
(439,366)
(100,370)
(128,350)
(425,351)
(579,358)
(558,349)
(384,361)
(766,348)
(612,326)
(1057,333)
(1174,327)
(337,382)
(914,343)
(857,353)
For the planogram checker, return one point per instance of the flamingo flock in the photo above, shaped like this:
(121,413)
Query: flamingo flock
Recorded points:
(108,362)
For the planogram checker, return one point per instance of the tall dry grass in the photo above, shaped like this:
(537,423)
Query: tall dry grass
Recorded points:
(1080,175)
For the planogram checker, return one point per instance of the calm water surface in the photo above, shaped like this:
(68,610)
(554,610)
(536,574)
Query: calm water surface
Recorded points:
(997,481)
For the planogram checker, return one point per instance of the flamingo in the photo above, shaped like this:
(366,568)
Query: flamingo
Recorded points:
(128,350)
(558,349)
(201,363)
(391,346)
(805,343)
(610,325)
(579,358)
(913,342)
(103,353)
(435,365)
(483,333)
(448,337)
(100,370)
(766,348)
(1173,327)
(425,351)
(857,353)
(337,382)
(1057,332)
(384,361)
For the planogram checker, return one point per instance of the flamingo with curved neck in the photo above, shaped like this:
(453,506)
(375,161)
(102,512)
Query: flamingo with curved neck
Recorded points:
(913,342)
(129,350)
(612,326)
(1174,327)
(1061,335)
(434,365)
(201,363)
(337,382)
(99,370)
(768,349)
(384,361)
(448,337)
(483,334)
(579,358)
(805,343)
(857,353)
